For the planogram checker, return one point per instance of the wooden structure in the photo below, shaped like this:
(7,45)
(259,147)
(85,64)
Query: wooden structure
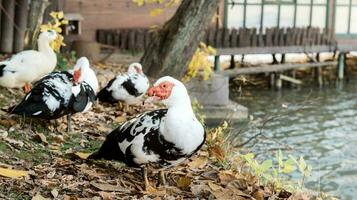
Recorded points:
(14,16)
(241,41)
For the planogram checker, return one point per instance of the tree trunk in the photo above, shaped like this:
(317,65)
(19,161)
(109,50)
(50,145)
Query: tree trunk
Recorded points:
(0,20)
(172,47)
(34,21)
(20,20)
(7,26)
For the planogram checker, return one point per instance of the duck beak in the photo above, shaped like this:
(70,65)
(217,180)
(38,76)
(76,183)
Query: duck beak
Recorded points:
(76,76)
(152,91)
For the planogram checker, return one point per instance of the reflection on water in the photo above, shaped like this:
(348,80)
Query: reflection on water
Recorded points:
(325,133)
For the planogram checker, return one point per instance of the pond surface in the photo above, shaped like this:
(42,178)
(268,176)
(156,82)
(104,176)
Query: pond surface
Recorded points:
(324,132)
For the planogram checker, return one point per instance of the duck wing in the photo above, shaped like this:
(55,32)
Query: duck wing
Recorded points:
(48,98)
(139,141)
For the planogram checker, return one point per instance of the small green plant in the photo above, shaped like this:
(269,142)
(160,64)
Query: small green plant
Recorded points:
(276,171)
(64,61)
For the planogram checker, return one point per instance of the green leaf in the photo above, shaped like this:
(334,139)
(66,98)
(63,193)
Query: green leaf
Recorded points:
(280,158)
(249,156)
(267,164)
(289,166)
(302,164)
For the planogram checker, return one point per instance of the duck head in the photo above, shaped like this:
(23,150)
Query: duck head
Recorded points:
(47,36)
(135,68)
(83,72)
(170,92)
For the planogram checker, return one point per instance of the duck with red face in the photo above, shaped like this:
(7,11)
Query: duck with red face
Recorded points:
(165,137)
(128,88)
(60,93)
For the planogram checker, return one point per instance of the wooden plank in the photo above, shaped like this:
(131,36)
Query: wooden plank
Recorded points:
(226,33)
(290,79)
(244,37)
(289,37)
(234,38)
(211,37)
(298,36)
(253,37)
(21,23)
(148,38)
(282,37)
(131,39)
(140,40)
(276,49)
(276,36)
(273,68)
(219,38)
(269,37)
(101,36)
(318,37)
(124,39)
(7,26)
(261,40)
(109,37)
(116,38)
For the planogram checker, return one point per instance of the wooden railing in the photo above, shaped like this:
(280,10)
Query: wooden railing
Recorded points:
(244,40)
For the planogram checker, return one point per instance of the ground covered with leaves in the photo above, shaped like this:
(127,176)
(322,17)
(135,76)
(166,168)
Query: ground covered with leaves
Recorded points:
(50,167)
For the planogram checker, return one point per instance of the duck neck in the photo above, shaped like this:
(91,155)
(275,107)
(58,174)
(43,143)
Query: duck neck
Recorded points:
(45,48)
(180,107)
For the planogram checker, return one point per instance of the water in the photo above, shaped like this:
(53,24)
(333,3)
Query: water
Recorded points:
(325,132)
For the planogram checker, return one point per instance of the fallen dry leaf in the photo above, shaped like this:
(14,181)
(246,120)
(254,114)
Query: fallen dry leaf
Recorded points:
(54,192)
(217,152)
(82,155)
(39,197)
(199,162)
(183,182)
(41,138)
(12,173)
(120,119)
(152,190)
(106,195)
(108,187)
(226,177)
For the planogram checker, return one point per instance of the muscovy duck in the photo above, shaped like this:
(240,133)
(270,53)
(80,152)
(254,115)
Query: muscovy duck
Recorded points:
(165,137)
(129,87)
(60,93)
(28,66)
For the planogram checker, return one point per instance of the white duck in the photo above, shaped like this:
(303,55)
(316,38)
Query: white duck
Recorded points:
(165,136)
(60,93)
(28,66)
(129,87)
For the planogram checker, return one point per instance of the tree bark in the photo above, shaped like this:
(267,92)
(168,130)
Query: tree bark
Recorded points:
(0,20)
(20,20)
(7,26)
(173,46)
(34,21)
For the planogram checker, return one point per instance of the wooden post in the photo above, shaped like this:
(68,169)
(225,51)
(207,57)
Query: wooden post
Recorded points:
(34,20)
(293,75)
(275,61)
(21,22)
(7,26)
(318,72)
(283,60)
(341,65)
(279,82)
(272,80)
(217,63)
(233,63)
